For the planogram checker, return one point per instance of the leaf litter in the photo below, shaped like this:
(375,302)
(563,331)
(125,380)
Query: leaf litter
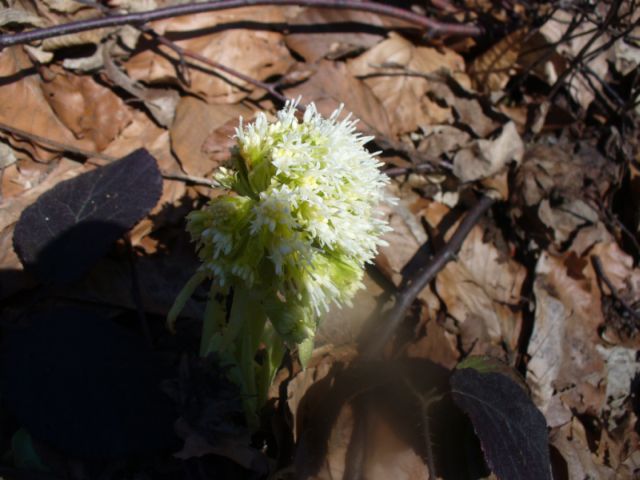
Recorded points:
(539,112)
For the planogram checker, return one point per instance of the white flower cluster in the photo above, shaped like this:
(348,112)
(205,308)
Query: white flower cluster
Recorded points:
(302,222)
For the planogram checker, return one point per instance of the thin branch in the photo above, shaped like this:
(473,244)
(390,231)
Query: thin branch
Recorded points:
(57,146)
(87,154)
(584,50)
(422,278)
(141,18)
(399,171)
(218,66)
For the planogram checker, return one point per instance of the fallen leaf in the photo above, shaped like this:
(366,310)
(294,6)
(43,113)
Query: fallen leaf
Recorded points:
(320,365)
(230,47)
(571,441)
(23,105)
(435,343)
(437,140)
(622,369)
(566,217)
(340,326)
(627,52)
(160,102)
(481,292)
(317,33)
(7,156)
(580,87)
(12,206)
(18,16)
(484,158)
(405,238)
(90,110)
(193,134)
(400,75)
(332,85)
(565,370)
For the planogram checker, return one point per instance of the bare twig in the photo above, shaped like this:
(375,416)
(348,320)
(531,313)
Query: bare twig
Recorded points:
(422,278)
(597,266)
(218,66)
(399,171)
(57,146)
(141,18)
(87,154)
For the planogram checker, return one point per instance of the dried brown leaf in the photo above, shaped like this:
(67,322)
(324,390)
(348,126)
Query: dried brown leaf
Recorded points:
(580,87)
(331,85)
(436,343)
(566,372)
(481,292)
(197,135)
(90,110)
(23,105)
(484,158)
(320,365)
(440,140)
(309,393)
(405,238)
(258,54)
(161,102)
(12,207)
(400,75)
(572,443)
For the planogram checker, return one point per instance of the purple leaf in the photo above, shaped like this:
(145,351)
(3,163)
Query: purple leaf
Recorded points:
(512,431)
(74,224)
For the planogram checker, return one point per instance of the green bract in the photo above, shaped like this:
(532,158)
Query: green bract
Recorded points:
(299,221)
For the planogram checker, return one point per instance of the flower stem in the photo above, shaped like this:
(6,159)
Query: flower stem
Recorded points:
(182,298)
(246,325)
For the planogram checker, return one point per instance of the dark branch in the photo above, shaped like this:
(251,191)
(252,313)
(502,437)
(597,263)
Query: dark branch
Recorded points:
(422,278)
(141,18)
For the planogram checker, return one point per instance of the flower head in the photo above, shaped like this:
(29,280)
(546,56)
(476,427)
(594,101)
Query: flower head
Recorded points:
(299,222)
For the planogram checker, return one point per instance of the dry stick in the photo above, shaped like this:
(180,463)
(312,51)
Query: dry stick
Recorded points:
(357,446)
(58,146)
(201,58)
(421,279)
(584,50)
(63,147)
(597,266)
(141,18)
